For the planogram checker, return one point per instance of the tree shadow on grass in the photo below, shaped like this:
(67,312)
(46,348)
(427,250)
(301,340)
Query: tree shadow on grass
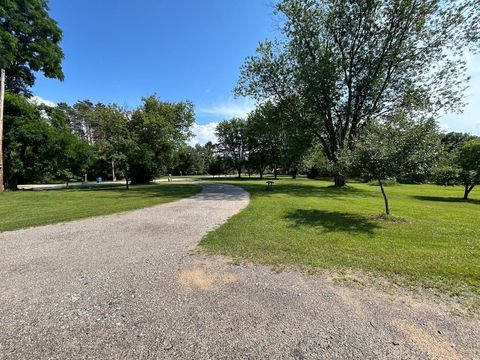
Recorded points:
(304,190)
(143,191)
(331,221)
(446,199)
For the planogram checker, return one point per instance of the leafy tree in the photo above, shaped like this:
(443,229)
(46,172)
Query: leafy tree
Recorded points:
(208,154)
(446,173)
(215,167)
(55,116)
(316,164)
(342,65)
(468,160)
(83,120)
(295,148)
(395,147)
(274,141)
(108,126)
(29,42)
(155,130)
(233,142)
(461,166)
(264,137)
(189,160)
(454,140)
(36,150)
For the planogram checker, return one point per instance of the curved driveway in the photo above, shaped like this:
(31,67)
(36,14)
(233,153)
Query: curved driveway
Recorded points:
(130,286)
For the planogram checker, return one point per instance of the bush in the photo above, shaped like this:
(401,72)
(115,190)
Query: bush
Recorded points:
(446,175)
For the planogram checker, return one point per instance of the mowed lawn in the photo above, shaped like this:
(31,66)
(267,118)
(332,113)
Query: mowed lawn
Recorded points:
(22,209)
(310,224)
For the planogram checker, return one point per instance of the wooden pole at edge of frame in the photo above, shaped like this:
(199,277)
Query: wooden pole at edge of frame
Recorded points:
(2,97)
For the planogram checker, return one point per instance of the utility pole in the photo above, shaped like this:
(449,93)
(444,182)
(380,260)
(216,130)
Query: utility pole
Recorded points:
(2,96)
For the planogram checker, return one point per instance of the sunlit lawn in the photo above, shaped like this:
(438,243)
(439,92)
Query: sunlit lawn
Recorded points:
(310,224)
(31,208)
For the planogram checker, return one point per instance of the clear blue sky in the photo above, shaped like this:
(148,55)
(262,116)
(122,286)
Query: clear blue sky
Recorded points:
(121,50)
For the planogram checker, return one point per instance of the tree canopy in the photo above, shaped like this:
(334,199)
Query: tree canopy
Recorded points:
(29,42)
(232,142)
(337,66)
(396,147)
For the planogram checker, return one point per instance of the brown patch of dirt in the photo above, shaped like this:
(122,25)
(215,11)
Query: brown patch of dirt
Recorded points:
(197,278)
(436,348)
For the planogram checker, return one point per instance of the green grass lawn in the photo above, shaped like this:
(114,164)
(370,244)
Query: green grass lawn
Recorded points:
(22,209)
(312,225)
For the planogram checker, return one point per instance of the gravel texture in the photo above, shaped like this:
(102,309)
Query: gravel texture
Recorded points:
(127,286)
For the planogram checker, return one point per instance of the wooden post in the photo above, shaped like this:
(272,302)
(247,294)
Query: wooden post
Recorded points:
(2,96)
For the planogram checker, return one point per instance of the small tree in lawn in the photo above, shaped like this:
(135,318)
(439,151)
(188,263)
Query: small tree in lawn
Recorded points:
(461,167)
(396,147)
(468,159)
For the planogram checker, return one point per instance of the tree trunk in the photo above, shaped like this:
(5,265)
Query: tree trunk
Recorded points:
(275,172)
(126,172)
(13,183)
(114,176)
(387,208)
(294,172)
(339,180)
(239,170)
(261,172)
(467,191)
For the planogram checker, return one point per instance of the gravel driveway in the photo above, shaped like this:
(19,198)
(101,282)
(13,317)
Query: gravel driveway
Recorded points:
(126,286)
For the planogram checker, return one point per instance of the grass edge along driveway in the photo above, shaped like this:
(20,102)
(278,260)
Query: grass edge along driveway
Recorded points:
(309,224)
(21,209)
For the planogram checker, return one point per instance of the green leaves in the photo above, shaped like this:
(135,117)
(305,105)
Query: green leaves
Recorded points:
(468,159)
(397,147)
(394,148)
(29,42)
(233,142)
(36,151)
(348,64)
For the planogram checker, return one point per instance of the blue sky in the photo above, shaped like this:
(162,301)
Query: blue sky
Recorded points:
(121,50)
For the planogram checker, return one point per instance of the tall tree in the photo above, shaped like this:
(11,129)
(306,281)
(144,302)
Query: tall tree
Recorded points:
(156,129)
(29,42)
(341,65)
(38,147)
(274,141)
(107,127)
(265,137)
(232,142)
